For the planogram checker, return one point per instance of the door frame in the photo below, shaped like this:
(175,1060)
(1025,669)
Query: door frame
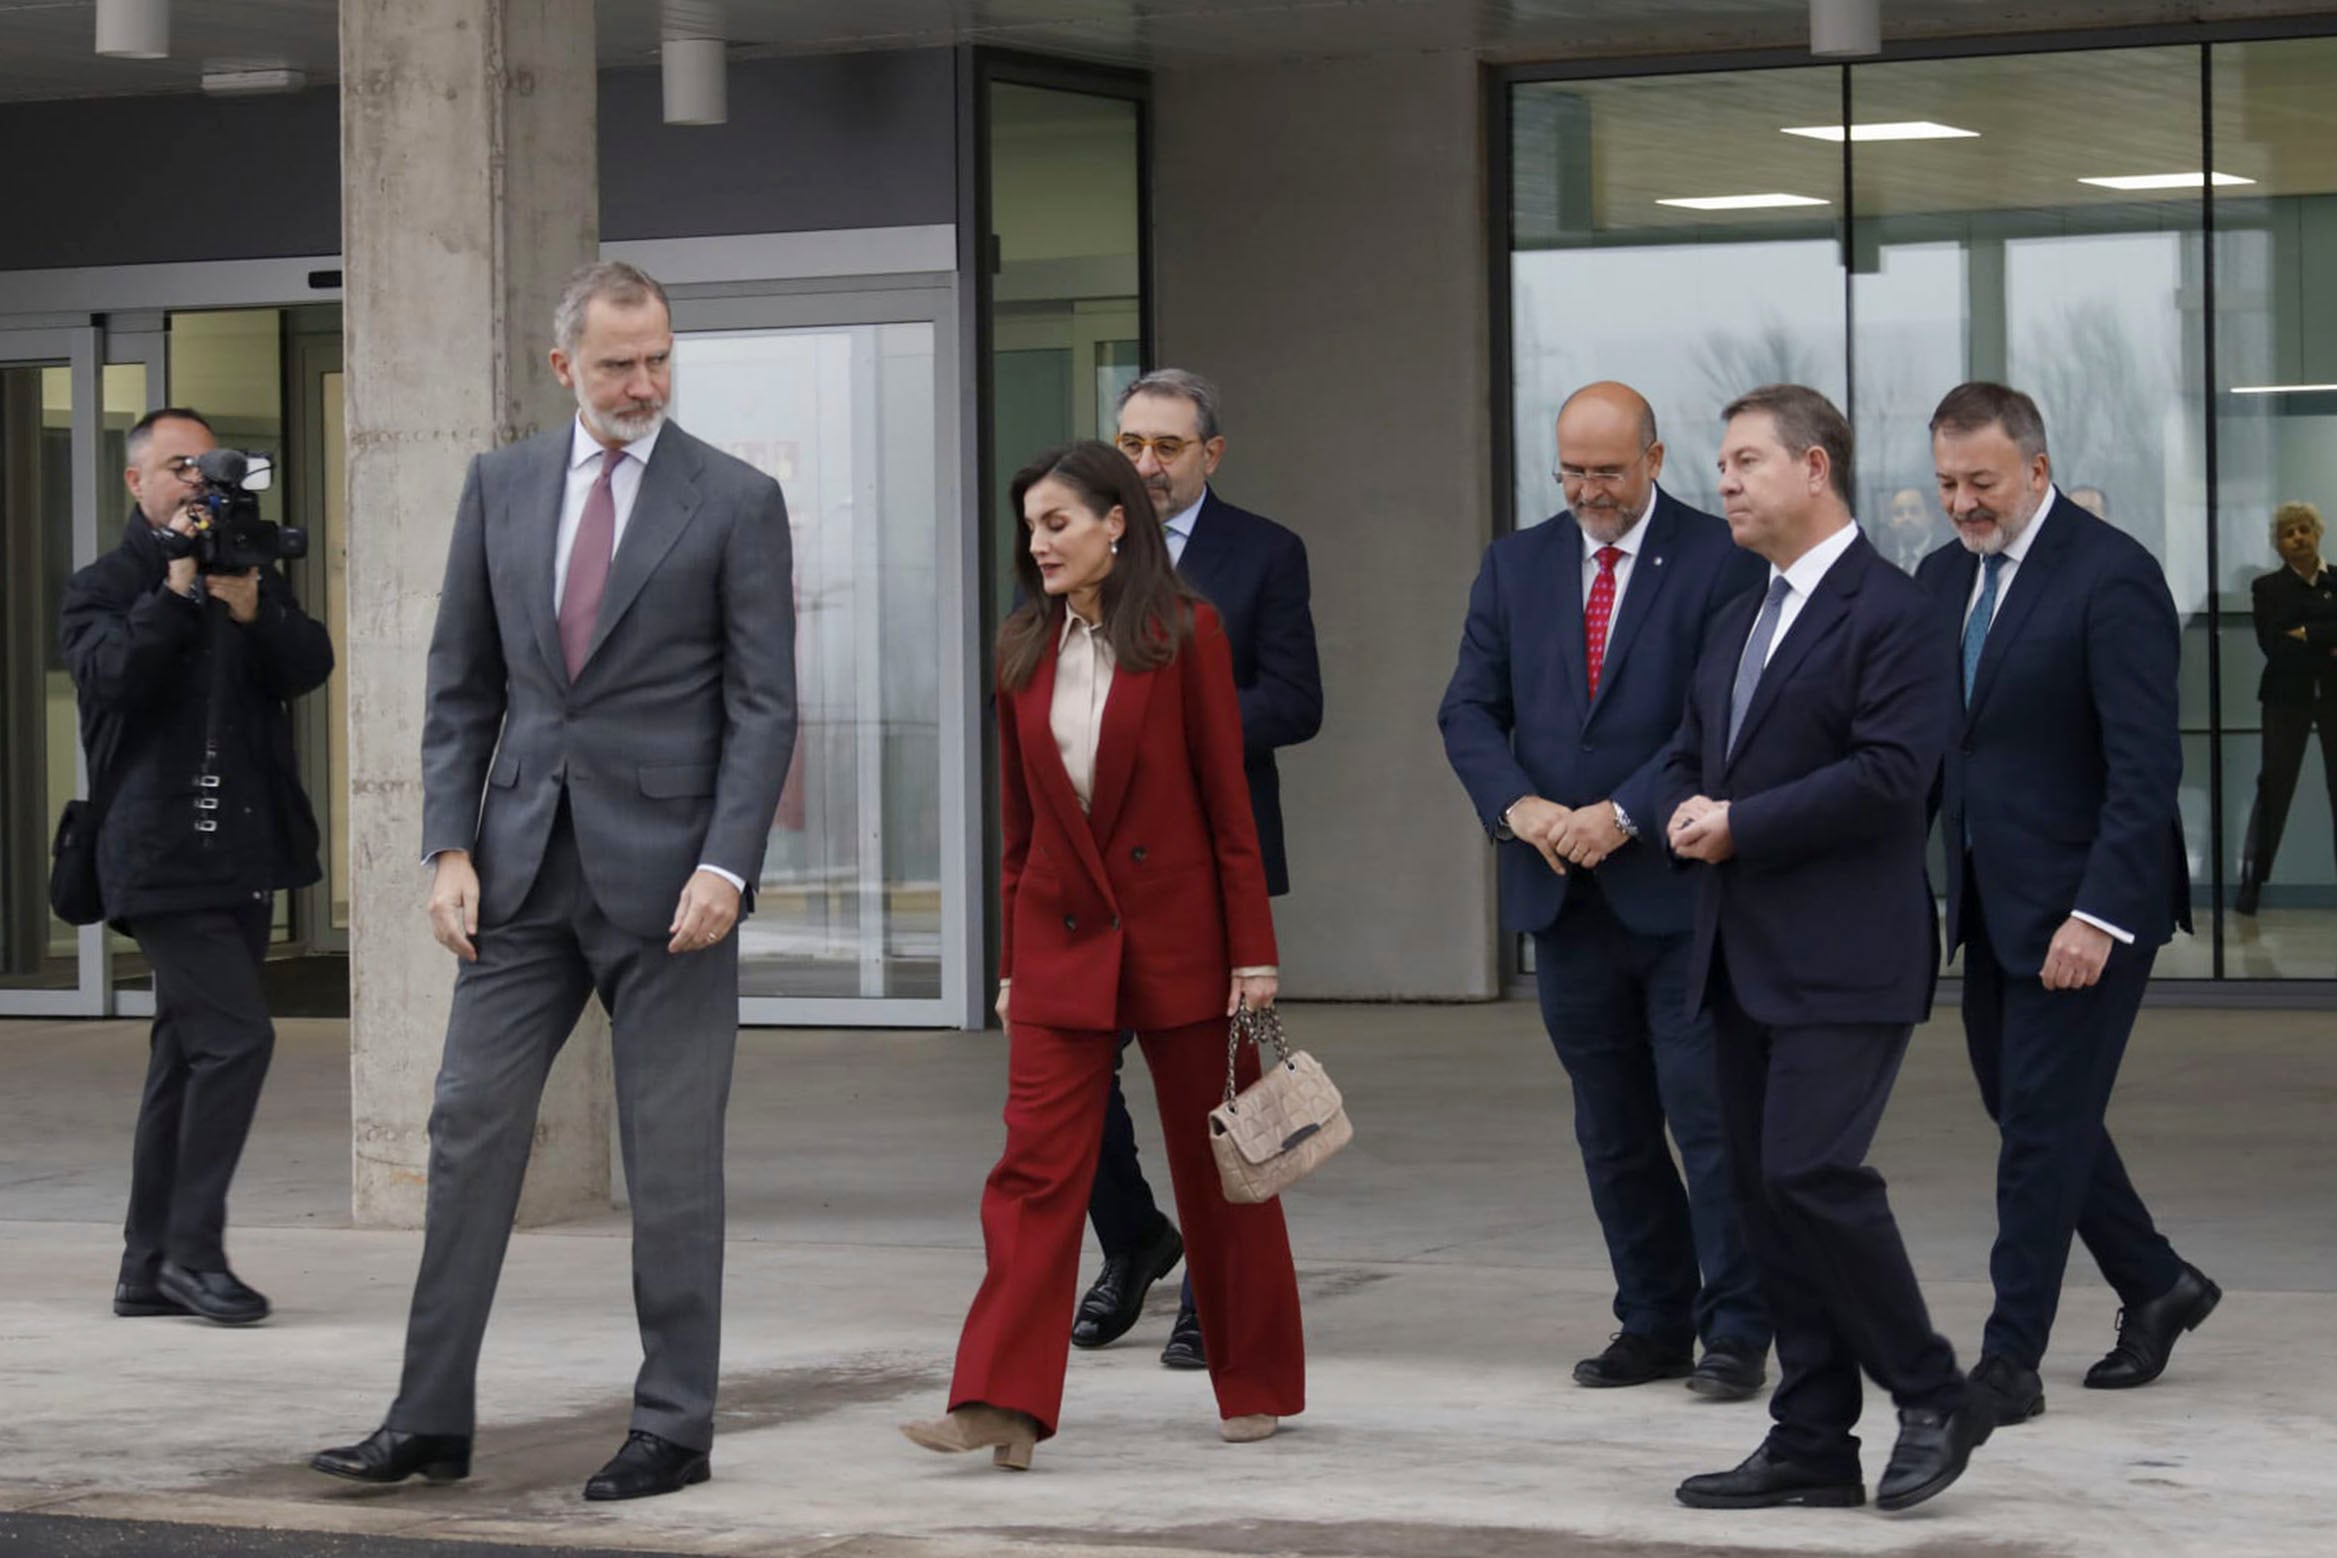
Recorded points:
(929,298)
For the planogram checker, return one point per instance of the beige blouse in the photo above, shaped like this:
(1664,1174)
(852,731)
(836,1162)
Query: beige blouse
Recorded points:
(1083,684)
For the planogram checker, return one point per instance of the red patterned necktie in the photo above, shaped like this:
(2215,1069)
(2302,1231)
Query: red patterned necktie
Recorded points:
(588,565)
(1598,613)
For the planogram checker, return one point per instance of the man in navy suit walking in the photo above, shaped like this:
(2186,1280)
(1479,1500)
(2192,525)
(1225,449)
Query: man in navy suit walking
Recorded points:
(1801,779)
(2066,874)
(1581,635)
(1254,572)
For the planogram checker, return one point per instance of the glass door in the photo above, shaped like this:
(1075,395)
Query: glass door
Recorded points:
(863,910)
(53,418)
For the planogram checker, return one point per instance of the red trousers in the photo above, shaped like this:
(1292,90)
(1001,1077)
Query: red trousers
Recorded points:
(1017,1339)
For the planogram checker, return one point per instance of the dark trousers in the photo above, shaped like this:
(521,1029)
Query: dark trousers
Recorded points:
(2046,1061)
(1616,1006)
(1121,1204)
(208,1056)
(1017,1339)
(673,1028)
(2287,727)
(1799,1106)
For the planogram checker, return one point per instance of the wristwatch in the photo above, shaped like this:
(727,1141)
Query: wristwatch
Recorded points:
(1501,828)
(1623,820)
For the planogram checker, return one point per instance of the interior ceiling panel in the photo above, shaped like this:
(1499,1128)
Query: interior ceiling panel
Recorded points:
(45,45)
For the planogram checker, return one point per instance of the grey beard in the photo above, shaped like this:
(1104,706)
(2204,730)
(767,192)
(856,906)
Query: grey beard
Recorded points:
(625,429)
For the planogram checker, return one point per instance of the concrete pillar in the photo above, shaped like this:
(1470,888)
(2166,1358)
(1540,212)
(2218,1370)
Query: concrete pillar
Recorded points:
(470,184)
(1319,231)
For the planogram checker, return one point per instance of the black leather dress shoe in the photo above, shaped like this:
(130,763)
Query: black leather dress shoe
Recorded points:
(215,1295)
(1933,1449)
(1112,1304)
(2011,1393)
(1184,1349)
(648,1465)
(1764,1481)
(392,1455)
(1730,1370)
(1633,1359)
(133,1299)
(2147,1332)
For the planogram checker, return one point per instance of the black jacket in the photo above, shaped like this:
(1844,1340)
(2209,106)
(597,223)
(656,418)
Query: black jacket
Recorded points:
(1254,572)
(145,662)
(2297,673)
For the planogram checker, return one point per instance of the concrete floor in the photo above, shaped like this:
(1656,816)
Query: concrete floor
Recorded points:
(1452,1274)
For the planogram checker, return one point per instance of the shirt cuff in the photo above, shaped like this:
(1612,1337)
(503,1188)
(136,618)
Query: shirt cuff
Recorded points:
(2113,931)
(1262,971)
(731,877)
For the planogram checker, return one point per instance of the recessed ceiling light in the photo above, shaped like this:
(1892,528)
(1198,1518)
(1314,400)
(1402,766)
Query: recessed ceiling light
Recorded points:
(1898,130)
(1743,202)
(2282,389)
(2165,180)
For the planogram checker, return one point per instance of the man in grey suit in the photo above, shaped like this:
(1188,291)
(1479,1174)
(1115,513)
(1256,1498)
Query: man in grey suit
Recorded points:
(611,710)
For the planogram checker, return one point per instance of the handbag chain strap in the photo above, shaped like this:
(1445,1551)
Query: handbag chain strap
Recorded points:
(1261,1025)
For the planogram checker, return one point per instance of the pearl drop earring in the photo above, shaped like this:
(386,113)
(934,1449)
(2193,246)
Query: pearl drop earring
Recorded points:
(1115,546)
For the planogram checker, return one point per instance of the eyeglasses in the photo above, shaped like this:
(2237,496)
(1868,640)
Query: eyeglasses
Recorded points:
(1597,475)
(1164,449)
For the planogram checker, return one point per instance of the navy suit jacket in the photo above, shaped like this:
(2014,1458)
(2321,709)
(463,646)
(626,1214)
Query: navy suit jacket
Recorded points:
(1254,572)
(2064,772)
(1517,718)
(1824,915)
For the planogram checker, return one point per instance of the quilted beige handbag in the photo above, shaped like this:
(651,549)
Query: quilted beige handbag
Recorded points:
(1283,1126)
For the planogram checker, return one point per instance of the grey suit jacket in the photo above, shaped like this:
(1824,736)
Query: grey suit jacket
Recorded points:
(672,743)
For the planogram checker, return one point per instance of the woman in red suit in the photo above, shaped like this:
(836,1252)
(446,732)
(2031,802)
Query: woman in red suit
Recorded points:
(1134,899)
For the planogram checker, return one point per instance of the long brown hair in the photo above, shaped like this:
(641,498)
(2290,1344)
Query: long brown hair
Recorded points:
(1147,609)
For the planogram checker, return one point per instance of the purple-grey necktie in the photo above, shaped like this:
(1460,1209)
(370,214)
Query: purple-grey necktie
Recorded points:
(588,565)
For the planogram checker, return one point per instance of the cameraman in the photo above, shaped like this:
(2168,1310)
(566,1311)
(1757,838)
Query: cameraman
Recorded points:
(183,677)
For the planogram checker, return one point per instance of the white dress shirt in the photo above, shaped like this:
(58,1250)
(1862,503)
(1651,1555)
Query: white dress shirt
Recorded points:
(2015,550)
(584,461)
(1802,578)
(1179,528)
(1629,544)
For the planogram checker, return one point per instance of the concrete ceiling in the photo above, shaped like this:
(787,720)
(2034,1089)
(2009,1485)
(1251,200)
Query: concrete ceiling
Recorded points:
(45,45)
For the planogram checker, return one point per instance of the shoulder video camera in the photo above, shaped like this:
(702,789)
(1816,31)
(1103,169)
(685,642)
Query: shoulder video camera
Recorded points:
(229,536)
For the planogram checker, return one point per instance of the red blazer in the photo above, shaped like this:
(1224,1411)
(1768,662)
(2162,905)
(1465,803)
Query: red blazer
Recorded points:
(1135,914)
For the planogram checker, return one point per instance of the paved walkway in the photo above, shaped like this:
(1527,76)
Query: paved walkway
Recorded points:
(1451,1268)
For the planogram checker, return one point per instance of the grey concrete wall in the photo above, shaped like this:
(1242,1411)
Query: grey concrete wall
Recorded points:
(835,140)
(1319,233)
(845,140)
(472,198)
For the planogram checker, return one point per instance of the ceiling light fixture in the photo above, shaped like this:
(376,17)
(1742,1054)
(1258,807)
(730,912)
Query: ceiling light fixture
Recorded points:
(1742,202)
(692,51)
(2165,180)
(1897,130)
(2283,389)
(238,78)
(133,29)
(1840,29)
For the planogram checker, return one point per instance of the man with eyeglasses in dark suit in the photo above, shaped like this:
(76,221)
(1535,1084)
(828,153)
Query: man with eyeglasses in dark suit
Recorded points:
(1254,572)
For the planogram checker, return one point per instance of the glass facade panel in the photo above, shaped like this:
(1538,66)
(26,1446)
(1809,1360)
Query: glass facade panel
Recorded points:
(1612,280)
(2045,223)
(37,718)
(1066,327)
(849,904)
(2276,431)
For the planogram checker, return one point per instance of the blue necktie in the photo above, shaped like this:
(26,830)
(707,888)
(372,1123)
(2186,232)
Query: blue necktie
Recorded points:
(1756,656)
(1976,625)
